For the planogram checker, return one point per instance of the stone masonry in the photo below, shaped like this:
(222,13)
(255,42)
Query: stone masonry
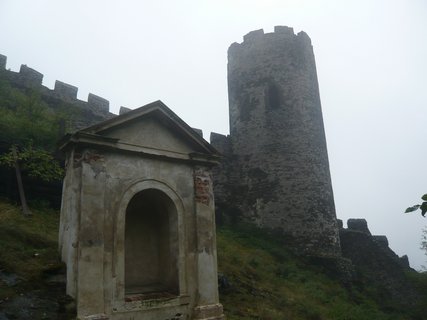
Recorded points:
(375,263)
(274,173)
(276,170)
(96,108)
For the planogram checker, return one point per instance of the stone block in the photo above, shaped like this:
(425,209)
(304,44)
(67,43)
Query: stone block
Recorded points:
(382,240)
(65,90)
(198,131)
(99,104)
(284,30)
(30,76)
(404,261)
(3,60)
(124,110)
(100,316)
(253,35)
(358,225)
(220,142)
(209,312)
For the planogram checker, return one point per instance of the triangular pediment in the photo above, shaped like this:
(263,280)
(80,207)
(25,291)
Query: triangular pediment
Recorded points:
(153,126)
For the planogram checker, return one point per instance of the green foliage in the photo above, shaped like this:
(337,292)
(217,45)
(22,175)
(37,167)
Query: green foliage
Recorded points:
(28,245)
(424,240)
(27,119)
(30,128)
(419,281)
(37,162)
(266,281)
(29,258)
(422,206)
(413,208)
(269,282)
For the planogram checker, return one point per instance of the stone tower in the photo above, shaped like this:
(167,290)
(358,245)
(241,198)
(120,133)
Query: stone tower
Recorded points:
(276,159)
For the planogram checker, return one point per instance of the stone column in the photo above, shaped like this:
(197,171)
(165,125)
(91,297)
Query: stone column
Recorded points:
(90,278)
(208,306)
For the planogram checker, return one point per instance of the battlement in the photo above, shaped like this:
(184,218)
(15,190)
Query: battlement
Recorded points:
(65,90)
(221,142)
(358,225)
(281,33)
(98,103)
(31,78)
(198,131)
(3,60)
(361,226)
(382,240)
(253,35)
(284,30)
(124,110)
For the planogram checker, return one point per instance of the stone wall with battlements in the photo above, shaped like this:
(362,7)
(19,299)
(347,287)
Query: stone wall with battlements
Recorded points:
(89,112)
(276,158)
(375,262)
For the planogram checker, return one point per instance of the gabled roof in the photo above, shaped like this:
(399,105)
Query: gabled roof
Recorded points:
(162,115)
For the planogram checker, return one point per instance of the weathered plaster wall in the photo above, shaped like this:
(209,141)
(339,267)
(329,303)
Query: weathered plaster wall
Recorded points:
(69,220)
(97,190)
(278,170)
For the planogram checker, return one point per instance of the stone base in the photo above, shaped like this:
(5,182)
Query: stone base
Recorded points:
(100,316)
(209,312)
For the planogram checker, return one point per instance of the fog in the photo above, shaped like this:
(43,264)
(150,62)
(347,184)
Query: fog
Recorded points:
(371,60)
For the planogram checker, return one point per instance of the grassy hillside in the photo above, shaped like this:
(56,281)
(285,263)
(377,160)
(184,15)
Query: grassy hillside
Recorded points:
(268,282)
(258,278)
(32,284)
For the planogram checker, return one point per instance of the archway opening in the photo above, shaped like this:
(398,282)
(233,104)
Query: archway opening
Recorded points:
(151,244)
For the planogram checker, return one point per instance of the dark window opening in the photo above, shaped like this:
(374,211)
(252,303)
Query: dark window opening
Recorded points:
(272,96)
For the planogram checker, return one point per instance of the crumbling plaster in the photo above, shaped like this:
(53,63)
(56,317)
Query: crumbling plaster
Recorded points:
(101,180)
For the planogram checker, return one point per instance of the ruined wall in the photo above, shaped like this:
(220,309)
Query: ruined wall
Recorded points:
(376,264)
(278,159)
(84,113)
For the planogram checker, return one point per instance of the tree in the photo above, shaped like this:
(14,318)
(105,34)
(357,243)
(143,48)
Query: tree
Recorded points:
(424,240)
(31,130)
(422,206)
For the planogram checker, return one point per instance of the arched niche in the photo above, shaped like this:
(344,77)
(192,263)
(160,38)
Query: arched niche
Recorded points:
(151,244)
(153,206)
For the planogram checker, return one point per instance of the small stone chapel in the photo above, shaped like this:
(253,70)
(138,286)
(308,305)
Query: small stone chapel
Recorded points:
(137,228)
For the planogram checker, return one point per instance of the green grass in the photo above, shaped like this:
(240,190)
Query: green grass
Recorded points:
(269,282)
(28,246)
(266,281)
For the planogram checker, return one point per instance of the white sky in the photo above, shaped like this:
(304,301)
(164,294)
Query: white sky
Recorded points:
(371,59)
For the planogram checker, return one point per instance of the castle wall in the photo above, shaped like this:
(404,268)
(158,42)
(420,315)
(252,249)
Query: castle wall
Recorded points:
(84,113)
(376,263)
(279,157)
(222,175)
(3,60)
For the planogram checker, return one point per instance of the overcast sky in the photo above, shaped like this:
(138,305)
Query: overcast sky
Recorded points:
(371,60)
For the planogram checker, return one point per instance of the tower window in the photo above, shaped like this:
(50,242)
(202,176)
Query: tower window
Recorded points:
(272,96)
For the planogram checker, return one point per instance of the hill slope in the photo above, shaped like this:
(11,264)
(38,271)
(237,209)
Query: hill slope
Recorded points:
(265,281)
(258,278)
